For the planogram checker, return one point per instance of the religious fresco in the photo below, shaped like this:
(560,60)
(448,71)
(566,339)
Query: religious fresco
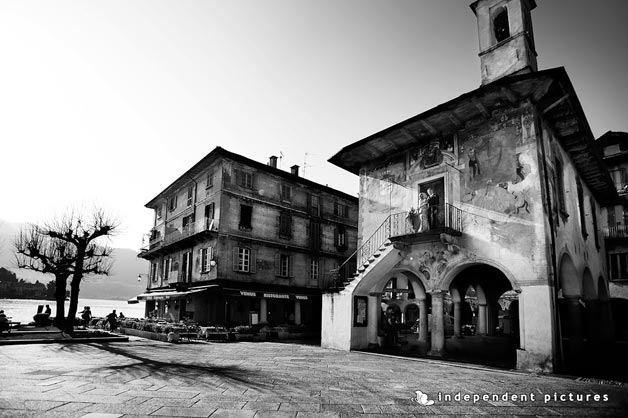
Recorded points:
(495,174)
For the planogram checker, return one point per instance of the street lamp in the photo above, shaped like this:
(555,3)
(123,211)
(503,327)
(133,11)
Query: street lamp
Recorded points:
(139,276)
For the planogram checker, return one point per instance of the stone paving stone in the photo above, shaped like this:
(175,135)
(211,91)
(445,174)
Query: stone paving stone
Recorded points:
(101,415)
(40,405)
(341,408)
(71,407)
(219,404)
(121,408)
(17,413)
(169,411)
(159,402)
(262,406)
(289,406)
(325,414)
(276,414)
(233,413)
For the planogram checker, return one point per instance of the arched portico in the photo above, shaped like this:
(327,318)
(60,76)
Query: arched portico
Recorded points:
(571,307)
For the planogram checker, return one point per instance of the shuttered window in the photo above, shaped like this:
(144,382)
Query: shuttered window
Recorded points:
(283,265)
(285,225)
(244,260)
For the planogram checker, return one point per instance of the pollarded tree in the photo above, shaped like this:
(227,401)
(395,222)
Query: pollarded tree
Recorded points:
(80,235)
(38,252)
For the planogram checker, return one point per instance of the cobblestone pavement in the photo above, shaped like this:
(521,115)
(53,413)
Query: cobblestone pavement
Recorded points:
(149,378)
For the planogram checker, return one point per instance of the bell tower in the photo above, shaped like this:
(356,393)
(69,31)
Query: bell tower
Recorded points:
(506,38)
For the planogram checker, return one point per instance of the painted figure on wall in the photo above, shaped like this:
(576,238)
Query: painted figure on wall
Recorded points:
(433,203)
(474,165)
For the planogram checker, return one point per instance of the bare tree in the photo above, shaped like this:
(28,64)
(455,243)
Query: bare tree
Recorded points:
(39,252)
(79,236)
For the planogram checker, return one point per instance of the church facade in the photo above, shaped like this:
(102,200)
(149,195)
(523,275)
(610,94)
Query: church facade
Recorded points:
(478,232)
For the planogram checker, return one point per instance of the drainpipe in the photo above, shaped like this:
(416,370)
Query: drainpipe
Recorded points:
(559,354)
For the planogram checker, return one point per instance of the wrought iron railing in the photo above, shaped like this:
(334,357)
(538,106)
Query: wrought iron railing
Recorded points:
(179,234)
(403,223)
(619,231)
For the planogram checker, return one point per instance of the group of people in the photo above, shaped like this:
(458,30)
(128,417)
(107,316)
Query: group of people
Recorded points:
(426,216)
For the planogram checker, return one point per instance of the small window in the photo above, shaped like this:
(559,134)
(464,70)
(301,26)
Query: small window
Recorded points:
(341,210)
(209,183)
(286,192)
(285,225)
(172,203)
(283,263)
(158,212)
(246,213)
(560,188)
(190,198)
(244,260)
(314,205)
(583,219)
(188,222)
(340,238)
(314,269)
(166,267)
(244,179)
(153,272)
(618,266)
(315,236)
(595,228)
(500,25)
(610,215)
(205,259)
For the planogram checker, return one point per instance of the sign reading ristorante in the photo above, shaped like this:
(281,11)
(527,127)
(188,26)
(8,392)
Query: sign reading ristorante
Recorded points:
(272,295)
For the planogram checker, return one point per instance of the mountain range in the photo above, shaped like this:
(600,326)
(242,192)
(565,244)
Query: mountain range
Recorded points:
(121,284)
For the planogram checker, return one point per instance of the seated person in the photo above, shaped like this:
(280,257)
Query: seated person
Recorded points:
(4,322)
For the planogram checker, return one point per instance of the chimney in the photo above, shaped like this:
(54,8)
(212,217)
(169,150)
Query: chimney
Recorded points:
(294,170)
(273,161)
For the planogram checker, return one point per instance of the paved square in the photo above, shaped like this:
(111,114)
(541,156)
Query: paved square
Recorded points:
(149,378)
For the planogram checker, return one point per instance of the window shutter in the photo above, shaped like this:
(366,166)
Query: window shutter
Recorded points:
(238,177)
(290,266)
(309,203)
(253,180)
(336,236)
(210,256)
(199,261)
(253,268)
(277,264)
(235,258)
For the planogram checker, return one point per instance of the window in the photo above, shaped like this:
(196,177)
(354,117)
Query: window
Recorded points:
(594,216)
(244,260)
(158,212)
(560,188)
(244,179)
(188,222)
(340,238)
(246,213)
(315,236)
(166,267)
(209,216)
(583,219)
(285,225)
(286,192)
(314,205)
(172,203)
(186,267)
(209,183)
(314,269)
(618,266)
(153,272)
(205,259)
(500,25)
(610,213)
(341,210)
(190,199)
(283,265)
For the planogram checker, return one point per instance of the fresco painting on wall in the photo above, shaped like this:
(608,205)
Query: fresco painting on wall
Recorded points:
(493,167)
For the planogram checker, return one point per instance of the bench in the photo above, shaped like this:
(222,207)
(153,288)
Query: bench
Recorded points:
(8,326)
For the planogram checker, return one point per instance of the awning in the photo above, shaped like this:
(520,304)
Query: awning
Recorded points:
(168,294)
(133,300)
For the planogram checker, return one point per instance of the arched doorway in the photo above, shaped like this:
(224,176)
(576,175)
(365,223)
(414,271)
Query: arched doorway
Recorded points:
(485,317)
(571,312)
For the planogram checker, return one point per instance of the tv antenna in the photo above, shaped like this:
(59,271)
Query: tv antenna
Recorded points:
(305,164)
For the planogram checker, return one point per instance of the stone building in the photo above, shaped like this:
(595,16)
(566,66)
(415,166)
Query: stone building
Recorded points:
(506,264)
(614,147)
(239,242)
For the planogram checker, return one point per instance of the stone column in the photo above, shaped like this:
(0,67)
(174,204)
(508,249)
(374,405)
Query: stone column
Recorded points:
(297,312)
(457,320)
(423,320)
(575,344)
(438,325)
(481,325)
(263,310)
(374,315)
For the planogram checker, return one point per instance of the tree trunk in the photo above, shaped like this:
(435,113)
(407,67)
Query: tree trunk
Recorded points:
(75,287)
(61,283)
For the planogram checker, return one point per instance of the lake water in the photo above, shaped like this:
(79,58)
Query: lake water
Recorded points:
(22,310)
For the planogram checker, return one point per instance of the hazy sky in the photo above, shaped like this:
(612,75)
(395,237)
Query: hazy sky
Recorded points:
(108,102)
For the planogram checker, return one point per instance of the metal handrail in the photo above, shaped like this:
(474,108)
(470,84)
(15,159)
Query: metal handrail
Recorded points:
(619,231)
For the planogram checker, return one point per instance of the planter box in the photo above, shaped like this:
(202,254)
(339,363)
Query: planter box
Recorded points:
(145,334)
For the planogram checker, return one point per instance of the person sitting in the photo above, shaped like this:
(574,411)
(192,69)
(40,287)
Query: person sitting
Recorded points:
(4,322)
(48,311)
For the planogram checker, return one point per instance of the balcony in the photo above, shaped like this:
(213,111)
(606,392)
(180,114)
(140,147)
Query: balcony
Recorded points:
(616,232)
(178,237)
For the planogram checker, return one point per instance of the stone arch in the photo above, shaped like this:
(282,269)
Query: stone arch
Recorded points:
(376,284)
(568,276)
(451,271)
(602,290)
(589,289)
(501,27)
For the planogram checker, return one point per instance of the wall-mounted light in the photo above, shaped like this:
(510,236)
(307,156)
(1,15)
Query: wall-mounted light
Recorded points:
(139,276)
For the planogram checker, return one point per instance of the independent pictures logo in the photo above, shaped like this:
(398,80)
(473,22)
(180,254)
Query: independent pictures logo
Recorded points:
(422,398)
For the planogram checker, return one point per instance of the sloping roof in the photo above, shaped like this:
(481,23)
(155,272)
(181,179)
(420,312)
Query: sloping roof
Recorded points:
(550,90)
(220,152)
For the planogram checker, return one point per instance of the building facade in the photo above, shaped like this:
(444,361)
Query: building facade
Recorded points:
(614,147)
(507,262)
(237,242)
